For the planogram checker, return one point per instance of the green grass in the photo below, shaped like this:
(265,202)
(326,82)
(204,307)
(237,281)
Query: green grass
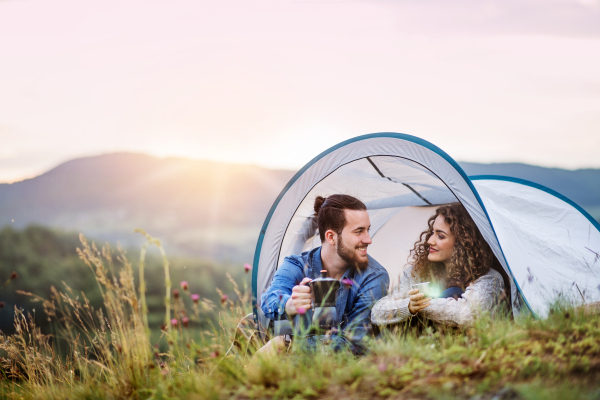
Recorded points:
(110,353)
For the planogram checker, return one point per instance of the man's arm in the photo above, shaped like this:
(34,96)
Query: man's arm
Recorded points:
(274,300)
(359,319)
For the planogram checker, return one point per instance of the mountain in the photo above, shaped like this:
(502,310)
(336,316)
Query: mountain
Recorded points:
(198,208)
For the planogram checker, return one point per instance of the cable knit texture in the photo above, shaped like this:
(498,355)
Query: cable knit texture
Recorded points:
(480,296)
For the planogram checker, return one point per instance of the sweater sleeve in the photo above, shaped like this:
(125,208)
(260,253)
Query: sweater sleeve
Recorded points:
(393,308)
(481,296)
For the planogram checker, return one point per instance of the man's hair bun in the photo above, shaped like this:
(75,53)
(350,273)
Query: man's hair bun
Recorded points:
(318,204)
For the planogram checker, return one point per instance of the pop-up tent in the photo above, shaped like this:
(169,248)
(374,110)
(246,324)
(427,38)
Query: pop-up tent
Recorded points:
(546,244)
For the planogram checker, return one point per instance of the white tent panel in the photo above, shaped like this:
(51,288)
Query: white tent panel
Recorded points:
(345,169)
(393,242)
(551,247)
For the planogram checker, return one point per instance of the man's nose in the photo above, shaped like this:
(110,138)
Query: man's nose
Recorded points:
(367,239)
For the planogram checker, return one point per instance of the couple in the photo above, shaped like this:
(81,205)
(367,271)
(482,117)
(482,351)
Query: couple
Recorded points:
(450,253)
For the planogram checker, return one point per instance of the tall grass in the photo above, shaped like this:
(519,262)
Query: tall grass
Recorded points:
(108,352)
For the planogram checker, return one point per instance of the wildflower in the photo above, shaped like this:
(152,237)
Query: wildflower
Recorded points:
(175,293)
(195,298)
(214,354)
(347,283)
(163,327)
(174,322)
(281,295)
(247,267)
(13,276)
(185,321)
(162,365)
(1,305)
(184,285)
(224,299)
(301,310)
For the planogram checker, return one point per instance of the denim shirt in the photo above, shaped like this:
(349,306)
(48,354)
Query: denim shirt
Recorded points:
(353,304)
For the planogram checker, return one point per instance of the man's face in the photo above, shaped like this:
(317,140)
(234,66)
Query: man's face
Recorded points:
(352,244)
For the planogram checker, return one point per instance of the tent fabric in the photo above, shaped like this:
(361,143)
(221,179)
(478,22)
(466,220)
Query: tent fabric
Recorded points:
(552,245)
(408,165)
(402,179)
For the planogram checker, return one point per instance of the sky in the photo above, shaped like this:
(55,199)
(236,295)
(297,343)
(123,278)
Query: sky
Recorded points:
(274,83)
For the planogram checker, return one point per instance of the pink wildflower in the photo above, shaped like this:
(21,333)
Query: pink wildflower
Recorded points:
(174,322)
(224,299)
(184,285)
(214,354)
(301,310)
(185,321)
(195,298)
(175,293)
(247,267)
(347,283)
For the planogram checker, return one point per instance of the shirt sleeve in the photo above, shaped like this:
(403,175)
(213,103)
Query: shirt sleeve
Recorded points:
(359,319)
(393,308)
(481,296)
(288,275)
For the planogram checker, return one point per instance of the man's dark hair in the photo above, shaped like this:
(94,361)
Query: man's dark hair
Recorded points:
(330,212)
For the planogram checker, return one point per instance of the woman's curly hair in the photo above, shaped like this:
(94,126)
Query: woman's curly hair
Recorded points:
(472,256)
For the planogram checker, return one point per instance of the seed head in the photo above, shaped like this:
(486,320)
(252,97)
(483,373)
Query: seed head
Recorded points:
(13,275)
(185,321)
(224,299)
(184,285)
(174,322)
(175,293)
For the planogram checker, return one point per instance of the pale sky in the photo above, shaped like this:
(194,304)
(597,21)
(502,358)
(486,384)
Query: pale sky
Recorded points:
(274,83)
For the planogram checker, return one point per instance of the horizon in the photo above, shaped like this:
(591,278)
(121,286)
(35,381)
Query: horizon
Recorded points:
(243,163)
(275,82)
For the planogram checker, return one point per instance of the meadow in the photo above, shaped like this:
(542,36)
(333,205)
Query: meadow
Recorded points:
(73,348)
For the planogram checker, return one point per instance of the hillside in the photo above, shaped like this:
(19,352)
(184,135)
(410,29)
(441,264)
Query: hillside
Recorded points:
(198,208)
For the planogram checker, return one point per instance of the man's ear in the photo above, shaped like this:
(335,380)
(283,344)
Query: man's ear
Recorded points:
(330,237)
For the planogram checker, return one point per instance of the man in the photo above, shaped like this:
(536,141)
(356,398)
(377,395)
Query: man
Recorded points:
(344,226)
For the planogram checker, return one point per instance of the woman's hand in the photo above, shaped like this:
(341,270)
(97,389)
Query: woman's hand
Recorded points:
(418,301)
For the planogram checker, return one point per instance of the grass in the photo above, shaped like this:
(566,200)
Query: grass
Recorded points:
(110,353)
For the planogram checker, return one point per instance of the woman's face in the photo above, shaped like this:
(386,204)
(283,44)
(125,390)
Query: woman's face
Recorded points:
(441,243)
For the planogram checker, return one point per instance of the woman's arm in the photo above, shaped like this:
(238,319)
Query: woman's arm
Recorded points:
(393,308)
(481,296)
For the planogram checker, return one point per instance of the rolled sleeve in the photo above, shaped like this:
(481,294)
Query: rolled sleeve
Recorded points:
(273,301)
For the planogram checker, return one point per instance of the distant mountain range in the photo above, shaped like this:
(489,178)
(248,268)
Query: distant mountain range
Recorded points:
(198,208)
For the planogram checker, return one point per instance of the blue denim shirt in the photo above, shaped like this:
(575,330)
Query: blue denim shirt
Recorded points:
(353,303)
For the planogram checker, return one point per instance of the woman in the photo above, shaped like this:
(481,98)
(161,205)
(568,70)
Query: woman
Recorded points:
(452,255)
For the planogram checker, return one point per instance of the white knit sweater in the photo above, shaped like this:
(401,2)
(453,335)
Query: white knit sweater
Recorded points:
(480,296)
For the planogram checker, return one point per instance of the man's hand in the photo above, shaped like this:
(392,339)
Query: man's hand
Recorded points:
(301,298)
(418,301)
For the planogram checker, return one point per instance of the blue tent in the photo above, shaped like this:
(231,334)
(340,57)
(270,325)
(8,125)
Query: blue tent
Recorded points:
(547,245)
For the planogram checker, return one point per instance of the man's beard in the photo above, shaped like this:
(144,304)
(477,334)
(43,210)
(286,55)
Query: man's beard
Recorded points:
(349,255)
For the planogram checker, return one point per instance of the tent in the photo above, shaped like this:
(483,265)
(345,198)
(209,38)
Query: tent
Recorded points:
(547,245)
